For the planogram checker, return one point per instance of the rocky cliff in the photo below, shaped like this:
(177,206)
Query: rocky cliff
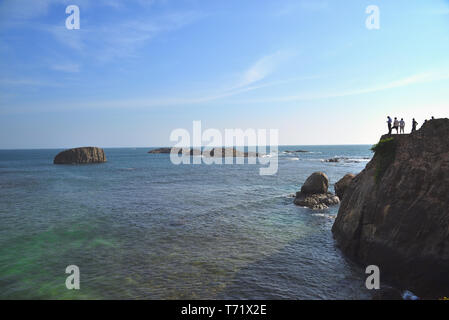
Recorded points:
(80,156)
(395,213)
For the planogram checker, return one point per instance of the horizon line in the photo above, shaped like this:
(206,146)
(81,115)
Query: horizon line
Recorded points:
(142,147)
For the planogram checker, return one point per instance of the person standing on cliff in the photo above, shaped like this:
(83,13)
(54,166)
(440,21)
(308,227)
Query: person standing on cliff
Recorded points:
(396,125)
(389,124)
(414,124)
(402,126)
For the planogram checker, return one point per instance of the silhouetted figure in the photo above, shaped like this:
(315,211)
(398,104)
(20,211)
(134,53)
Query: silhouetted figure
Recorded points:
(402,126)
(414,124)
(396,125)
(433,118)
(389,124)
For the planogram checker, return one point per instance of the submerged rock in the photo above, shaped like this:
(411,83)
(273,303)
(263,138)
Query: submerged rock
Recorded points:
(296,151)
(395,213)
(342,159)
(314,193)
(332,160)
(81,155)
(342,184)
(316,201)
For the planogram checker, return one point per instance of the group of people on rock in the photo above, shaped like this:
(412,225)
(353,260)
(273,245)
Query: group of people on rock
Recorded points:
(399,125)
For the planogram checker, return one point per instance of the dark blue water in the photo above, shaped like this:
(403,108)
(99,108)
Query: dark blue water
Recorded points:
(139,227)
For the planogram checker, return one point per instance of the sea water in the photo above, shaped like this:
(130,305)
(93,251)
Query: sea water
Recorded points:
(140,227)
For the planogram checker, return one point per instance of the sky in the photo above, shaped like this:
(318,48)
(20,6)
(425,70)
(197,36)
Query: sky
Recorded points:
(136,70)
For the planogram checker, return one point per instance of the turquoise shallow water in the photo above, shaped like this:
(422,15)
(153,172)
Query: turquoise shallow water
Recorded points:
(139,227)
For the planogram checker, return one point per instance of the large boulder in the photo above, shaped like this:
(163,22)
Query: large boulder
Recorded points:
(342,184)
(80,156)
(395,213)
(314,194)
(318,182)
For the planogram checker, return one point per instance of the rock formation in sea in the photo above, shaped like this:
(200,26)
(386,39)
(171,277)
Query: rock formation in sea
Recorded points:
(160,150)
(314,193)
(185,151)
(297,151)
(214,152)
(342,159)
(342,184)
(80,156)
(228,152)
(395,213)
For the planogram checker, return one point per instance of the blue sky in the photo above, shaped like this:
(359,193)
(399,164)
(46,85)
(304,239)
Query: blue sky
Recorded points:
(138,69)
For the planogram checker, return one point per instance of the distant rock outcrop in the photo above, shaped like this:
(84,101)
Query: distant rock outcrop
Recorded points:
(185,151)
(214,152)
(80,156)
(314,193)
(395,213)
(297,151)
(342,184)
(160,150)
(228,152)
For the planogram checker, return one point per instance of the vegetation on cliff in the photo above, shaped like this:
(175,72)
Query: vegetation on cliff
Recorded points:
(385,151)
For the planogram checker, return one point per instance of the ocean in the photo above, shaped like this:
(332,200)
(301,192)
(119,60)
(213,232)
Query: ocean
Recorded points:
(140,227)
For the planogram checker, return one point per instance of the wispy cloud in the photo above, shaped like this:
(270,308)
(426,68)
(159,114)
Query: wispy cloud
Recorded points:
(262,68)
(121,39)
(419,78)
(27,82)
(249,80)
(66,67)
(118,38)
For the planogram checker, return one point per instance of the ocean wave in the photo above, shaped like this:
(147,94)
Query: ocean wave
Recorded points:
(325,215)
(270,155)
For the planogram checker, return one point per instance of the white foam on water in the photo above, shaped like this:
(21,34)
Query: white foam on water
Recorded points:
(324,215)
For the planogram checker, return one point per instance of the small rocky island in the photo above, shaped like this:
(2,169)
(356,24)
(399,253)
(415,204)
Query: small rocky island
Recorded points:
(81,155)
(314,193)
(395,213)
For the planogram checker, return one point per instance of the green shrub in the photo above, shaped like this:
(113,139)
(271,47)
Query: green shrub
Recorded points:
(385,152)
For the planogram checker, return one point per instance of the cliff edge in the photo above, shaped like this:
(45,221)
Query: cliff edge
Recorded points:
(395,213)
